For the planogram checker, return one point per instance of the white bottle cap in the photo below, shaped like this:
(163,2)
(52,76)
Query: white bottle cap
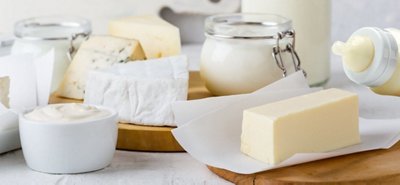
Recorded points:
(384,62)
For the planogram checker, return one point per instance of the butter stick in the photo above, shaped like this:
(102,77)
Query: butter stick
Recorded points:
(318,122)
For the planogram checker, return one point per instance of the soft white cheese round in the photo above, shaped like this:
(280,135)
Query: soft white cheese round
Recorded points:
(69,112)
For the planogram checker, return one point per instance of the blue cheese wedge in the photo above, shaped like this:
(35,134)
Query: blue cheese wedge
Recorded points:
(141,92)
(4,90)
(316,122)
(97,53)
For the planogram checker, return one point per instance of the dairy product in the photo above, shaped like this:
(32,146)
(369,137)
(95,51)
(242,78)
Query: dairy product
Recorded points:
(39,35)
(70,112)
(157,37)
(68,138)
(234,60)
(237,67)
(4,90)
(316,122)
(371,58)
(357,52)
(96,53)
(311,20)
(141,92)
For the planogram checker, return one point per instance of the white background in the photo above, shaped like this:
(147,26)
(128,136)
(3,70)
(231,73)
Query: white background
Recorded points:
(347,15)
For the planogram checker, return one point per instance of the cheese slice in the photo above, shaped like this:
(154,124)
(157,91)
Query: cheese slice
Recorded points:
(141,92)
(4,91)
(96,53)
(316,122)
(157,37)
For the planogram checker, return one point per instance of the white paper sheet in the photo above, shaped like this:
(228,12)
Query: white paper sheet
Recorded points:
(30,79)
(213,136)
(9,140)
(185,111)
(9,134)
(21,71)
(44,66)
(30,85)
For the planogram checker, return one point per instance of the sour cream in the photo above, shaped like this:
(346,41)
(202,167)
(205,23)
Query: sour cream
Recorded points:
(69,112)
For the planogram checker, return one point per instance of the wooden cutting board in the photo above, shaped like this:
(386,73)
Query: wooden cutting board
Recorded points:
(364,168)
(148,138)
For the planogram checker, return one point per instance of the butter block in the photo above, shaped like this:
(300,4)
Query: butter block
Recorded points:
(141,92)
(318,122)
(4,90)
(157,37)
(97,53)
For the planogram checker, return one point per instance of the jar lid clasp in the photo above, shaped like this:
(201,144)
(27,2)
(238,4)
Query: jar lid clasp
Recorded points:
(290,47)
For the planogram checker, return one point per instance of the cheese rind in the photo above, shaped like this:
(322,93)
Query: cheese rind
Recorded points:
(96,53)
(141,92)
(157,37)
(316,122)
(4,91)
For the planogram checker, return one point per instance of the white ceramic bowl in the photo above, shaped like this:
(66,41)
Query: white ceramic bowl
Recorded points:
(76,147)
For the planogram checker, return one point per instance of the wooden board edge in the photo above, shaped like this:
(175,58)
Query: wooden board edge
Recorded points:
(136,138)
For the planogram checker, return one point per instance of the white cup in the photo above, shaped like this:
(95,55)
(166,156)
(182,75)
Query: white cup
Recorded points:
(74,147)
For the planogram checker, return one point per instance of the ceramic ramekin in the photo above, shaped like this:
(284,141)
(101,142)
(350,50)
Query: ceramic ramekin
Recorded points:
(74,147)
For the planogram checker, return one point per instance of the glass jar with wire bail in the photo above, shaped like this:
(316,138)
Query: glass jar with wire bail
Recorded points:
(245,52)
(38,35)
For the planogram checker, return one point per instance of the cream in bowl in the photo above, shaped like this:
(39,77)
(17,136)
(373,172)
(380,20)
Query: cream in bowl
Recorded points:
(68,138)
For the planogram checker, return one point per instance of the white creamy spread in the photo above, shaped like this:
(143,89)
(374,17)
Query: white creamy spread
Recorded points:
(69,112)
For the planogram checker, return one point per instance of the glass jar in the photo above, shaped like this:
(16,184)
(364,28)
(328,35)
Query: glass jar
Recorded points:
(244,52)
(39,35)
(312,22)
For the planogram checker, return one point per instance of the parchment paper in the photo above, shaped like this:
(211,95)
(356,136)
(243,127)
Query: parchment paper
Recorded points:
(210,132)
(30,85)
(30,79)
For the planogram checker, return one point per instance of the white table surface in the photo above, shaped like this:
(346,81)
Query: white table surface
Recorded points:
(126,168)
(174,168)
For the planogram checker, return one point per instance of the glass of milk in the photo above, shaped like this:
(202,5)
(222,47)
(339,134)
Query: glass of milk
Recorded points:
(312,22)
(245,52)
(39,35)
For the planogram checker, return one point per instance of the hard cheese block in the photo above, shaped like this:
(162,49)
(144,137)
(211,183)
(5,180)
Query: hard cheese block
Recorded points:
(157,37)
(141,92)
(316,122)
(96,53)
(4,90)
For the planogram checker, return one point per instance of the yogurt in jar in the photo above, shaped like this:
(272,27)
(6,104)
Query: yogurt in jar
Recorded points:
(237,55)
(237,67)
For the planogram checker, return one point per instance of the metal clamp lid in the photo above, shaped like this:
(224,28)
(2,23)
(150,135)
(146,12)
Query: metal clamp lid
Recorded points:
(250,26)
(290,47)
